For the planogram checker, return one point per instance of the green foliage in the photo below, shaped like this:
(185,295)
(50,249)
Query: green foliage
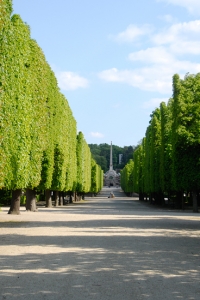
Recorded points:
(62,149)
(39,147)
(71,172)
(101,153)
(185,132)
(101,160)
(138,173)
(127,177)
(23,200)
(96,177)
(5,12)
(83,165)
(15,101)
(155,151)
(168,158)
(166,147)
(5,197)
(147,165)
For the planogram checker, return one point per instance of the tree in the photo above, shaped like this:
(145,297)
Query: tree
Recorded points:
(166,147)
(155,149)
(83,165)
(37,128)
(127,177)
(186,134)
(15,125)
(138,173)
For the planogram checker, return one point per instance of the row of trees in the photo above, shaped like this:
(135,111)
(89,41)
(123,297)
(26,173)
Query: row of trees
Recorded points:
(39,146)
(127,179)
(167,162)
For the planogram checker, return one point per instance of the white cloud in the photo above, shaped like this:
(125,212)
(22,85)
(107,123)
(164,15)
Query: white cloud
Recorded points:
(193,6)
(145,78)
(185,47)
(180,38)
(161,61)
(155,78)
(96,134)
(71,81)
(153,103)
(152,55)
(132,32)
(180,31)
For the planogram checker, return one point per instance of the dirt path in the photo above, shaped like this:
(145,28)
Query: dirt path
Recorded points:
(101,248)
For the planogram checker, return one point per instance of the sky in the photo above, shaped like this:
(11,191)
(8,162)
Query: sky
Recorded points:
(114,59)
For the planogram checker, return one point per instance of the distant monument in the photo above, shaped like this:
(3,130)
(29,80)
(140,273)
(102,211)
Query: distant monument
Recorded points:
(111,178)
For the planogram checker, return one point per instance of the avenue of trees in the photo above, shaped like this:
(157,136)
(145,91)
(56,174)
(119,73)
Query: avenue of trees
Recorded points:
(167,162)
(101,154)
(39,146)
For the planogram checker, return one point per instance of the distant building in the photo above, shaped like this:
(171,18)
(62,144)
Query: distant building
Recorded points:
(111,177)
(120,158)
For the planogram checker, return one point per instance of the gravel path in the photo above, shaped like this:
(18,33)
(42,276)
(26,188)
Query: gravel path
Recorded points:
(101,248)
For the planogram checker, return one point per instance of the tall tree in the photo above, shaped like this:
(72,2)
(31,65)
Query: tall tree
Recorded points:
(186,134)
(15,101)
(127,177)
(83,165)
(166,147)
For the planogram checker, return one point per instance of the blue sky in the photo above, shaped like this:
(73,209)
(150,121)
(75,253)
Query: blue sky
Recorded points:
(114,60)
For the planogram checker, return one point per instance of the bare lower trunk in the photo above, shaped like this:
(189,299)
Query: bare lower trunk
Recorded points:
(162,199)
(141,196)
(169,196)
(150,198)
(15,202)
(78,197)
(60,198)
(195,203)
(178,200)
(48,198)
(31,200)
(56,198)
(74,196)
(183,202)
(70,198)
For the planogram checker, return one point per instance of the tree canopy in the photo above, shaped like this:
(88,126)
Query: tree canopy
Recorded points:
(101,154)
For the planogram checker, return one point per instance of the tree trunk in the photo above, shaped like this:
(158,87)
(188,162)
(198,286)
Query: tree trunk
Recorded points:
(195,203)
(183,202)
(198,198)
(150,198)
(48,198)
(178,199)
(15,202)
(31,200)
(140,196)
(75,196)
(56,198)
(169,197)
(162,199)
(70,198)
(60,198)
(78,197)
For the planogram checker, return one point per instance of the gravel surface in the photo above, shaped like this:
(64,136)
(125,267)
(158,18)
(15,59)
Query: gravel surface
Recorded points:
(100,248)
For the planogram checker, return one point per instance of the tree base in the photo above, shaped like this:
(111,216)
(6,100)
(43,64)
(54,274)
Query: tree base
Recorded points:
(13,212)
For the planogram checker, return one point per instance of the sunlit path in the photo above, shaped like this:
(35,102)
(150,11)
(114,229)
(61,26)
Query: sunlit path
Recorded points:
(106,191)
(100,248)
